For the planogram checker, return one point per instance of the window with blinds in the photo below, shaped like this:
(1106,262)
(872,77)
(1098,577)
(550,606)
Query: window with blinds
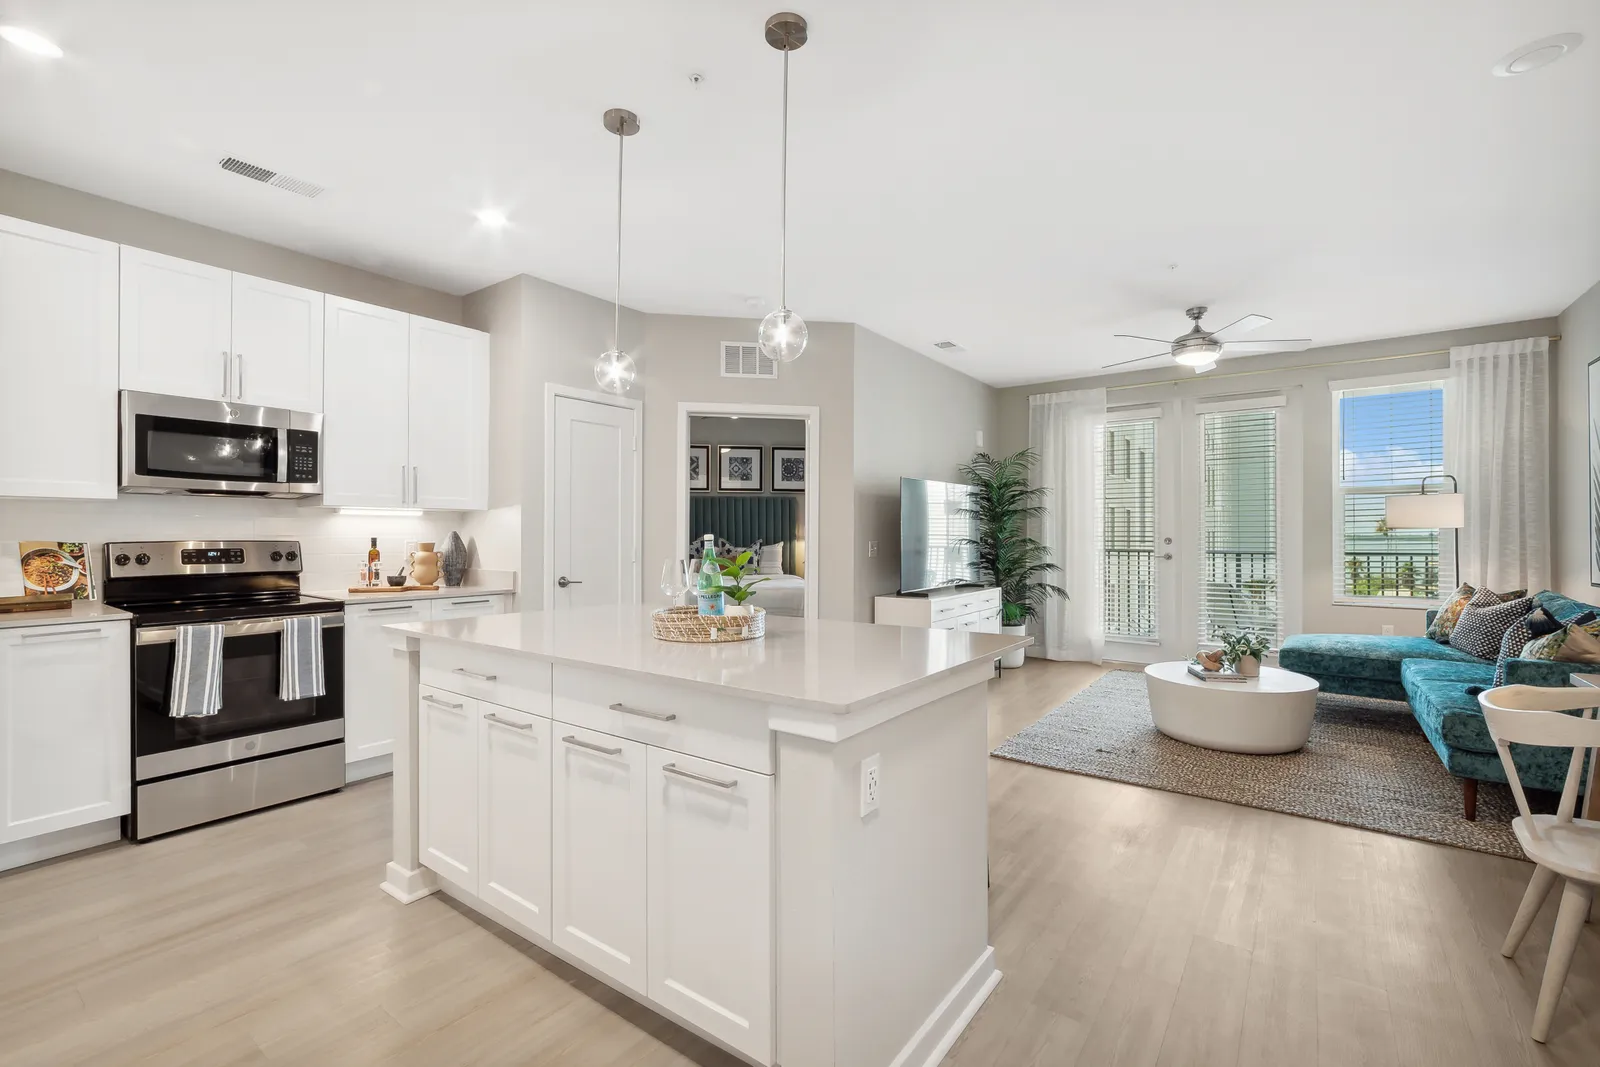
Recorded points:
(1128,528)
(1390,438)
(1239,523)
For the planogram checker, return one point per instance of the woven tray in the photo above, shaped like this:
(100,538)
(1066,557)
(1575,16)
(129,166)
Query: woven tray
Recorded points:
(689,626)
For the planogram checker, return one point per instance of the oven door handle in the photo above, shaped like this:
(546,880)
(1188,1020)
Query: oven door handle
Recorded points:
(165,635)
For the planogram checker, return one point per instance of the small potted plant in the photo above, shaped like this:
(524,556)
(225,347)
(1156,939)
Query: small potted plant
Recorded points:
(1243,652)
(737,586)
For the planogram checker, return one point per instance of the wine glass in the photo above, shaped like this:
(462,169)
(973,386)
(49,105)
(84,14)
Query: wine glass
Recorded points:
(675,579)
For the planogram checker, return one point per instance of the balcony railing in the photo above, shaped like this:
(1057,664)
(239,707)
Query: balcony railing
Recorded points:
(1399,574)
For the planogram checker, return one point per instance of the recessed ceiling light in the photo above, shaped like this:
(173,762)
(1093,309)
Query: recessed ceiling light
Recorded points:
(1536,54)
(491,218)
(29,41)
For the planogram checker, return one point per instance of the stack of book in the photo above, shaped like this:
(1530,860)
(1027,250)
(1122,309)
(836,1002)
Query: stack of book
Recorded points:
(1215,676)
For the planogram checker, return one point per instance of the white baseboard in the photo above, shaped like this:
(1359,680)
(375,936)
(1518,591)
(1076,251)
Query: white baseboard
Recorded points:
(408,886)
(368,768)
(938,1033)
(59,843)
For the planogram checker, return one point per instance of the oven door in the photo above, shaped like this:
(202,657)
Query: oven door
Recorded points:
(253,721)
(179,444)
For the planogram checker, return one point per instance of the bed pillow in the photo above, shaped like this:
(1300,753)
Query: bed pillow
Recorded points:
(771,560)
(1481,627)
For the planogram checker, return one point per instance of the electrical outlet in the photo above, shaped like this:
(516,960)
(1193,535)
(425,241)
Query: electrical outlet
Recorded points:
(871,785)
(872,549)
(1388,631)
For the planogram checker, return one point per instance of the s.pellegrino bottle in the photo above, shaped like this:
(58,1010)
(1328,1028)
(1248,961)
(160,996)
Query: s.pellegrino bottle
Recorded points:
(708,583)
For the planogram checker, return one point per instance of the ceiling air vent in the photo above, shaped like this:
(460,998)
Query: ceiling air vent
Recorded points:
(948,346)
(270,177)
(742,359)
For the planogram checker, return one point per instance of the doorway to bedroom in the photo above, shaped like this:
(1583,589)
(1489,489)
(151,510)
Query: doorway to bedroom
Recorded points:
(747,480)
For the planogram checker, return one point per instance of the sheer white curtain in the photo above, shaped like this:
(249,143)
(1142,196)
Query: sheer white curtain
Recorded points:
(1064,429)
(1500,450)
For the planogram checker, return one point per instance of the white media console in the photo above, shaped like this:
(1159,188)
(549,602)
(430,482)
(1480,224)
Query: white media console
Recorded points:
(962,608)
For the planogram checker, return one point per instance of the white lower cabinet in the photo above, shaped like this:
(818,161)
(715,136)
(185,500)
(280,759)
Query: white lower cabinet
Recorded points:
(514,814)
(447,784)
(709,879)
(598,851)
(466,607)
(375,684)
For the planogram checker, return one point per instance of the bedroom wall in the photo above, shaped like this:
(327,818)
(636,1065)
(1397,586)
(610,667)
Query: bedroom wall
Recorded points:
(713,431)
(1569,450)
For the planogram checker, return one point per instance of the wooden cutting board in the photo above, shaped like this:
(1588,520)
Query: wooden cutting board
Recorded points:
(394,589)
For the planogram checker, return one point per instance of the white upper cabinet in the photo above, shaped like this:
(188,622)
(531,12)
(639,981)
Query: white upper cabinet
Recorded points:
(449,412)
(277,344)
(177,326)
(58,349)
(366,449)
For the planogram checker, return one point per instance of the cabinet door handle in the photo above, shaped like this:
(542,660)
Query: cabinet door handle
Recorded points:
(416,494)
(403,499)
(465,603)
(396,607)
(720,783)
(238,377)
(474,674)
(443,703)
(65,635)
(569,739)
(492,717)
(227,376)
(656,715)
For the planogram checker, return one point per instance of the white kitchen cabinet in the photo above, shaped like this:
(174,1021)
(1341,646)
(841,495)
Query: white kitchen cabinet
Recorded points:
(447,785)
(597,833)
(375,687)
(177,326)
(277,344)
(366,445)
(709,878)
(64,726)
(58,351)
(469,606)
(514,814)
(449,416)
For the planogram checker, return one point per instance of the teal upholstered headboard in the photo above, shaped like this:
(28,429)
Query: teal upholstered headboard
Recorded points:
(742,519)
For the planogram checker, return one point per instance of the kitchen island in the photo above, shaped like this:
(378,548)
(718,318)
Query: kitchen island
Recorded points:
(779,844)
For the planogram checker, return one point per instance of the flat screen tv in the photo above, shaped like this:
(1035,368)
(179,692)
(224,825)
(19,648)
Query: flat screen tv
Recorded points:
(932,528)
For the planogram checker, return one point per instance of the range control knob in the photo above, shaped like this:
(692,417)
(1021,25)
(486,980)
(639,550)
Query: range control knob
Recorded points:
(292,556)
(142,558)
(277,557)
(122,559)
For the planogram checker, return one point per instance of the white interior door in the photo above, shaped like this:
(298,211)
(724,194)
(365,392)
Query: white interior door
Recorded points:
(594,515)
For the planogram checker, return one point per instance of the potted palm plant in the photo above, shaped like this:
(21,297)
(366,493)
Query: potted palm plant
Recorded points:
(1003,503)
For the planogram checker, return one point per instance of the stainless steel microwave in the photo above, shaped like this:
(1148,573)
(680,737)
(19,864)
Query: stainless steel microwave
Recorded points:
(177,444)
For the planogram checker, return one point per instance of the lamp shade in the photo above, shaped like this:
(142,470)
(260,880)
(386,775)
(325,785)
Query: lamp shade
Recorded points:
(1425,511)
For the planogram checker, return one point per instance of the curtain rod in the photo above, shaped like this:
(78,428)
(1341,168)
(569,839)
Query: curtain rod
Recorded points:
(1302,366)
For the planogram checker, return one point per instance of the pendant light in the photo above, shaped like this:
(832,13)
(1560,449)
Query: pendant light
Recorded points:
(613,369)
(783,333)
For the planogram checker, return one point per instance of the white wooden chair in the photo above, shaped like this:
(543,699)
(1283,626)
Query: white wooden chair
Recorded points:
(1559,845)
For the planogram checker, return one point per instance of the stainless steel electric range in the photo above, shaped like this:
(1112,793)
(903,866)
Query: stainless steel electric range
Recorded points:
(258,750)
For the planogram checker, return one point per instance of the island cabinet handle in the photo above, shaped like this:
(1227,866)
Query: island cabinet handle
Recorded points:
(474,674)
(443,703)
(656,715)
(569,739)
(720,783)
(492,717)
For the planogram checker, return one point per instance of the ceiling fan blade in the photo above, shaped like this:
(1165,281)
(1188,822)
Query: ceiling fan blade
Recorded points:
(1141,359)
(1246,348)
(1141,337)
(1238,326)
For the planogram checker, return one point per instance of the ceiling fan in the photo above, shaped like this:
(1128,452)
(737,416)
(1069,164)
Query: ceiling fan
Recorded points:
(1200,348)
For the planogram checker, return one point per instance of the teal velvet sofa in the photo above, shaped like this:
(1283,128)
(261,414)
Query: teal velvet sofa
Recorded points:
(1440,683)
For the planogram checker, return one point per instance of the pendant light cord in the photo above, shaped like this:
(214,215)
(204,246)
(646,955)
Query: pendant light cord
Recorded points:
(616,305)
(783,226)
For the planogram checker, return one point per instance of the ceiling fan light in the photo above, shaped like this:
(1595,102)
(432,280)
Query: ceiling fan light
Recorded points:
(1202,368)
(1198,354)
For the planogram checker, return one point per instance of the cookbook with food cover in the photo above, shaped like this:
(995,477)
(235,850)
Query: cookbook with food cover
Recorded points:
(56,567)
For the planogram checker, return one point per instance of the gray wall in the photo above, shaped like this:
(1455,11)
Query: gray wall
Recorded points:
(68,209)
(1569,452)
(713,431)
(1310,412)
(914,418)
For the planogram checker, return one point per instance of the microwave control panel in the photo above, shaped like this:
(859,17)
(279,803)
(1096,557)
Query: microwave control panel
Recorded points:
(303,457)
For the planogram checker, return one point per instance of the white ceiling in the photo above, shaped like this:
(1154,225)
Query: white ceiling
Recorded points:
(1018,177)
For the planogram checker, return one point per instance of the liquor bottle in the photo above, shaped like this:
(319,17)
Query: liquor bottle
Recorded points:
(708,584)
(373,567)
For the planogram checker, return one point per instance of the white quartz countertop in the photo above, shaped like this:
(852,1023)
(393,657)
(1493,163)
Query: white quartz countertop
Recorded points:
(829,666)
(81,611)
(452,592)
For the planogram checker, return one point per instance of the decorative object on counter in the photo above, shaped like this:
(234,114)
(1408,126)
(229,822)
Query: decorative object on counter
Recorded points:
(699,468)
(675,575)
(397,581)
(1243,652)
(782,336)
(55,567)
(739,469)
(614,370)
(425,564)
(739,574)
(689,626)
(374,568)
(1003,505)
(393,588)
(453,560)
(789,469)
(710,598)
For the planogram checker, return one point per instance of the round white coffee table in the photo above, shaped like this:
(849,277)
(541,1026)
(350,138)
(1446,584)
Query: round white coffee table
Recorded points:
(1271,713)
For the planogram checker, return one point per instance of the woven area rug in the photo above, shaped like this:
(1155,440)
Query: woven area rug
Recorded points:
(1368,764)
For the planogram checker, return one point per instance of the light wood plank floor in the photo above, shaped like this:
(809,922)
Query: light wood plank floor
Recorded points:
(1133,926)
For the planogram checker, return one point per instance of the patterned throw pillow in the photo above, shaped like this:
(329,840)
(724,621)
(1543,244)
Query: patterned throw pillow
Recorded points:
(1480,628)
(1449,612)
(1541,622)
(1517,634)
(1581,647)
(1550,646)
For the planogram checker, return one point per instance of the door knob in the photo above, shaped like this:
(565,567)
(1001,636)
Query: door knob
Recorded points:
(564,581)
(1166,555)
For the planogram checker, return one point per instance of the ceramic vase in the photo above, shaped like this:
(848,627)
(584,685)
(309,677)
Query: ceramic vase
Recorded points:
(1248,667)
(424,564)
(453,560)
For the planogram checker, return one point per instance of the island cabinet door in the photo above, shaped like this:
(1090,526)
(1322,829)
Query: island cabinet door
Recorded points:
(447,785)
(598,860)
(514,814)
(710,889)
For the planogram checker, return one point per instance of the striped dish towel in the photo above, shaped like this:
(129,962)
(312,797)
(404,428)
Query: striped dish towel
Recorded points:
(301,672)
(196,672)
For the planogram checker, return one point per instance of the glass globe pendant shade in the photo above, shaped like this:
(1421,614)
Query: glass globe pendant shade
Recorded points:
(783,336)
(614,371)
